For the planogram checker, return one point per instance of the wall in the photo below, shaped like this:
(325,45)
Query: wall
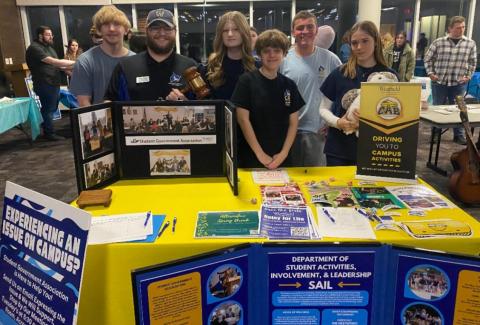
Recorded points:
(11,33)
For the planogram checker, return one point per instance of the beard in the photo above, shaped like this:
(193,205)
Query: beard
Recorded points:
(158,49)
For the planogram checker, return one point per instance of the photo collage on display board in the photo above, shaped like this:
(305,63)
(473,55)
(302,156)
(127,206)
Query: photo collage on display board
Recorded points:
(94,146)
(132,140)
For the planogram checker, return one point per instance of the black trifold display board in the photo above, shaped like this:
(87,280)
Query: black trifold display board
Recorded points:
(317,284)
(154,139)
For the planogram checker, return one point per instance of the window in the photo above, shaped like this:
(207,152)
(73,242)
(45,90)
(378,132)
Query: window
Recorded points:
(434,16)
(269,14)
(47,16)
(338,14)
(396,16)
(79,22)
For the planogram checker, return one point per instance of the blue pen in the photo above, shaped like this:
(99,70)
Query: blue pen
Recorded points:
(174,223)
(363,213)
(149,213)
(329,216)
(163,228)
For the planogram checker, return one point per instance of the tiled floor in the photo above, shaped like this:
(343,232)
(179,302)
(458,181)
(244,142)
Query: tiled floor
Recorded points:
(48,168)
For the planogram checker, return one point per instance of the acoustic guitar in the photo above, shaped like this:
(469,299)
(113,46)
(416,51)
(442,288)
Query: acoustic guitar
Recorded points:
(465,180)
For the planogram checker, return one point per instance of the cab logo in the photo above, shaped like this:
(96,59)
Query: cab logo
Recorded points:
(389,108)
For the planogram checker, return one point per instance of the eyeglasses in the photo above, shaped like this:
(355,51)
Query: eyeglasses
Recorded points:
(158,29)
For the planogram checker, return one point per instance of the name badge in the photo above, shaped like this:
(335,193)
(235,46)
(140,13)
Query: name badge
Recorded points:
(143,79)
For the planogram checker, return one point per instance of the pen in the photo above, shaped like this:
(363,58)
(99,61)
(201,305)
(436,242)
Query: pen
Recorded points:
(148,218)
(165,226)
(329,216)
(174,223)
(363,213)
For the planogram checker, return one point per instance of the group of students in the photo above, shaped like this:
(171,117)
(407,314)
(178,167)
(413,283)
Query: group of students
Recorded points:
(283,97)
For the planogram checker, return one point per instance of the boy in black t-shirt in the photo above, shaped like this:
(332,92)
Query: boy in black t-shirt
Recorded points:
(267,107)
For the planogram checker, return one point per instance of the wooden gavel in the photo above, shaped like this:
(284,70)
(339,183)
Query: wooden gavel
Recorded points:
(195,83)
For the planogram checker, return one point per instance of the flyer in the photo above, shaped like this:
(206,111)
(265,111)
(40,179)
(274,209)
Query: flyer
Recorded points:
(419,197)
(388,131)
(42,252)
(333,196)
(286,195)
(375,197)
(278,222)
(227,224)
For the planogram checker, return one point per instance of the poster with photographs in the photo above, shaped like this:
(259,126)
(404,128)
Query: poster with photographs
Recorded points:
(99,170)
(169,125)
(229,164)
(170,162)
(229,131)
(96,132)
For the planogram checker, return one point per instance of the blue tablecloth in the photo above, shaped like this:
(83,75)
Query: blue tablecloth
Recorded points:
(21,110)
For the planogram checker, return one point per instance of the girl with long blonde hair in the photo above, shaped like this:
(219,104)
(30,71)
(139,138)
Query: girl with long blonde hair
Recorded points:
(232,54)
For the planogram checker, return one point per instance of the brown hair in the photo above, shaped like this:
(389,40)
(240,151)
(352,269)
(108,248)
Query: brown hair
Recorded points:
(214,66)
(109,14)
(455,20)
(350,68)
(303,14)
(272,38)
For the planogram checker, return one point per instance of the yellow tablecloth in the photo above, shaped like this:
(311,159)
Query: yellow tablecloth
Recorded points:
(106,295)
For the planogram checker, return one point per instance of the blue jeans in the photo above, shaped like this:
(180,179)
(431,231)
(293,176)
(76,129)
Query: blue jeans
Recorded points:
(445,95)
(49,96)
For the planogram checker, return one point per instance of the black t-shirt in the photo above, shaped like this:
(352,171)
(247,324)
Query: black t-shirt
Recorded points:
(397,54)
(140,77)
(336,85)
(41,71)
(270,103)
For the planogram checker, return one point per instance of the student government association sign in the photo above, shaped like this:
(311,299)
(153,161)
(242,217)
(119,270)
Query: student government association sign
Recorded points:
(42,252)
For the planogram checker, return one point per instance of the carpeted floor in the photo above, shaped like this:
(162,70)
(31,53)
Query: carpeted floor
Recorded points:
(47,167)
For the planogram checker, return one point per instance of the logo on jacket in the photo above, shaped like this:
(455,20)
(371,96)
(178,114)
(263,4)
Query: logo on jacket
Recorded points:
(175,80)
(287,97)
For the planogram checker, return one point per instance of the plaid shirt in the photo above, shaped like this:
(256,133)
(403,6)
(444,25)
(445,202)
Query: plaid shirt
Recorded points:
(451,62)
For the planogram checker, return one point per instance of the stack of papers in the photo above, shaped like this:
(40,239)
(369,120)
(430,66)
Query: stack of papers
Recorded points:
(343,223)
(436,228)
(419,197)
(120,228)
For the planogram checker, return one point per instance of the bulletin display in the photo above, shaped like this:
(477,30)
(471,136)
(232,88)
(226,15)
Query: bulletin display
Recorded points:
(317,284)
(132,140)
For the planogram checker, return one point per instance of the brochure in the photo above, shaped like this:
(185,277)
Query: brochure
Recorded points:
(287,195)
(419,197)
(436,228)
(375,197)
(226,224)
(333,196)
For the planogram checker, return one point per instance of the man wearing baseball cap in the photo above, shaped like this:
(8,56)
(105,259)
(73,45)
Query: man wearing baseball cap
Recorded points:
(156,73)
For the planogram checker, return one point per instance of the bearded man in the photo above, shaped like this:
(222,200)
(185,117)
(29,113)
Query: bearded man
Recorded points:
(156,73)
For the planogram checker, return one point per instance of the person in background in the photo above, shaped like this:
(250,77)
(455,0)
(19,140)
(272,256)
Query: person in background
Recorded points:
(399,57)
(94,67)
(325,37)
(345,49)
(422,45)
(95,36)
(267,107)
(45,67)
(156,73)
(367,57)
(232,55)
(73,50)
(253,37)
(308,65)
(450,62)
(387,40)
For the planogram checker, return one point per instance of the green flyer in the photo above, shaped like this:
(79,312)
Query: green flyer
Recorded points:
(227,224)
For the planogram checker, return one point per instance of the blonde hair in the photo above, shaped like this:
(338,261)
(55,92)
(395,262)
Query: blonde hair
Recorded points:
(214,67)
(109,14)
(272,38)
(350,68)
